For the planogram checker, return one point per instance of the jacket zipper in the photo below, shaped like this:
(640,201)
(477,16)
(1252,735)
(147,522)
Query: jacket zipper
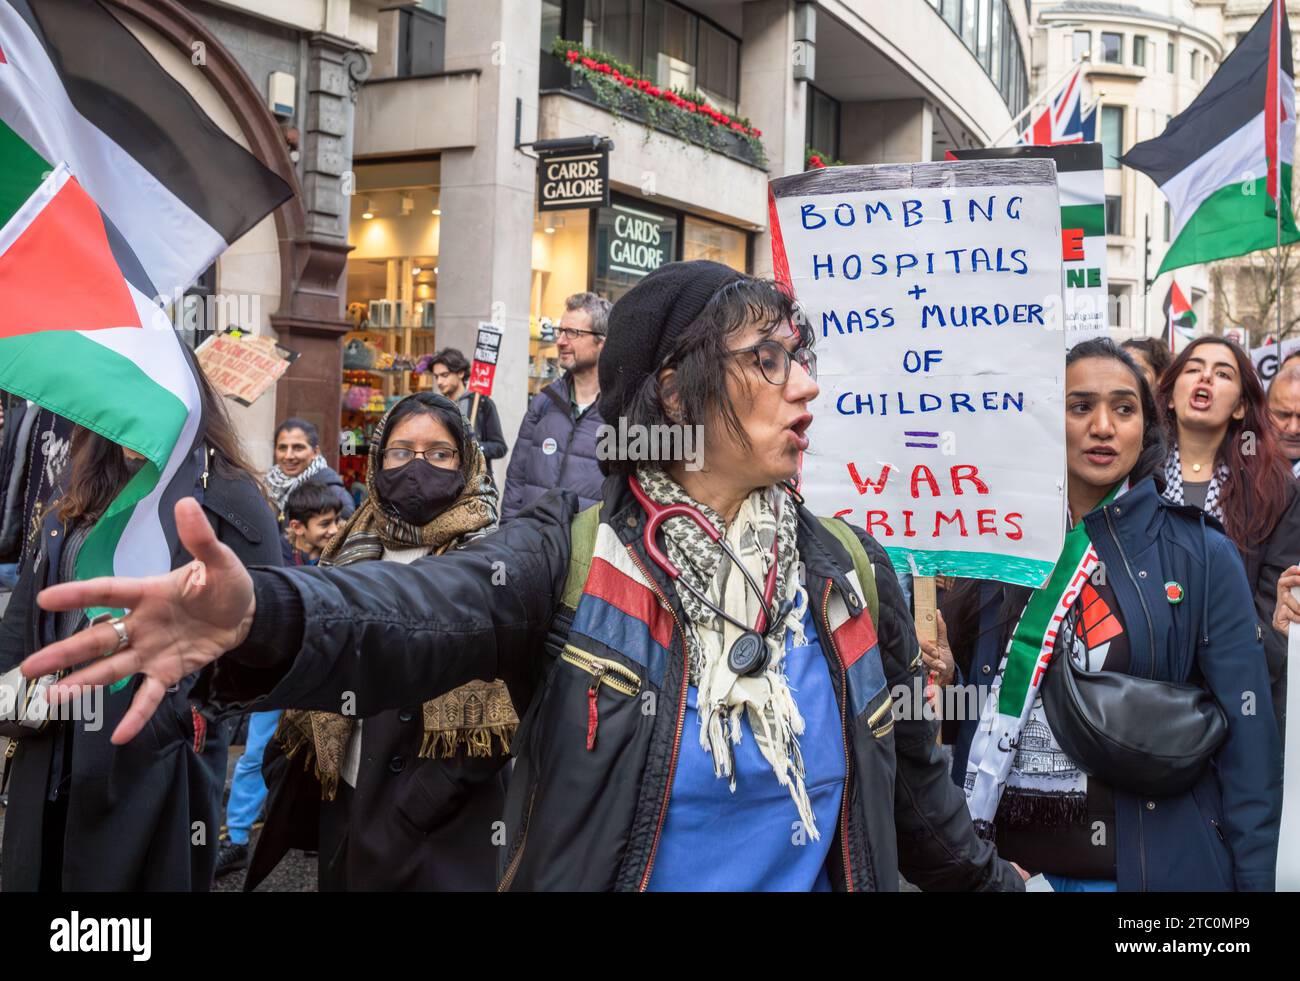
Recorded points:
(602,671)
(681,719)
(504,884)
(844,735)
(1151,670)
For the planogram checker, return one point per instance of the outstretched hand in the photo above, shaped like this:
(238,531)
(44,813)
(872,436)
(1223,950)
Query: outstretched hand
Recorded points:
(176,623)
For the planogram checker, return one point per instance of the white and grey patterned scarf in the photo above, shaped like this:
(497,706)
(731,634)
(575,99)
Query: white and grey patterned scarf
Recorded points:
(1174,484)
(279,485)
(724,696)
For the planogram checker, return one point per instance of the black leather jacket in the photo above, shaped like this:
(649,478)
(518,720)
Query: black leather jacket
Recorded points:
(591,819)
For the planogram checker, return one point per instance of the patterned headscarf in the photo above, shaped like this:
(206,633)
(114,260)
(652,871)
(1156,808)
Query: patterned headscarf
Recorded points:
(473,716)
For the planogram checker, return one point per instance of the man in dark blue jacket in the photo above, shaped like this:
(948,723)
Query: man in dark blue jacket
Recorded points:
(557,440)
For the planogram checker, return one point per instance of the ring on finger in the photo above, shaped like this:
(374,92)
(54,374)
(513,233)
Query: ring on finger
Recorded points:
(119,626)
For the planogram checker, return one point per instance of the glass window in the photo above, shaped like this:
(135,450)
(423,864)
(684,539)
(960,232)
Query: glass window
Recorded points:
(1112,48)
(1140,51)
(1193,64)
(982,40)
(969,23)
(719,67)
(996,48)
(632,240)
(822,127)
(670,57)
(1113,224)
(1082,44)
(1112,135)
(613,27)
(952,13)
(1169,58)
(1118,299)
(552,22)
(708,240)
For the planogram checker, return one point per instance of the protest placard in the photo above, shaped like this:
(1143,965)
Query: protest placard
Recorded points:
(1269,357)
(934,292)
(1080,183)
(243,366)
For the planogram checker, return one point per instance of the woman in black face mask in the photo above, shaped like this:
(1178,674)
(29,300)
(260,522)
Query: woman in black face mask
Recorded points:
(403,797)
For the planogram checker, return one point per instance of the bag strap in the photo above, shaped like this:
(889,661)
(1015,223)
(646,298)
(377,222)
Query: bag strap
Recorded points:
(582,543)
(861,562)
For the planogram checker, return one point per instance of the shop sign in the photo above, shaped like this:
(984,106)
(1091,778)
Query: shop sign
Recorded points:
(639,241)
(573,180)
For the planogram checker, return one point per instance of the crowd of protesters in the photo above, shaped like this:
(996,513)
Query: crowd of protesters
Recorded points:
(392,655)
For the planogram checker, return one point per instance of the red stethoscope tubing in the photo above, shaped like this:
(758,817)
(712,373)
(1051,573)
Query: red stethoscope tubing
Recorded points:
(657,514)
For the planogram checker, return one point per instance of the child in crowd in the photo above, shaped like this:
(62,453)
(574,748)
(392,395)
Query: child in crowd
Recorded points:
(311,519)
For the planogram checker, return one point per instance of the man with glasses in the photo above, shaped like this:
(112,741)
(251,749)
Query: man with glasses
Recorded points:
(450,373)
(557,439)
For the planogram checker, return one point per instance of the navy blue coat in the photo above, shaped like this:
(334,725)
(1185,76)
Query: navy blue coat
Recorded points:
(554,451)
(1222,834)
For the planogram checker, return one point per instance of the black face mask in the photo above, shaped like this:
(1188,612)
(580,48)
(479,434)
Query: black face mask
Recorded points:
(419,491)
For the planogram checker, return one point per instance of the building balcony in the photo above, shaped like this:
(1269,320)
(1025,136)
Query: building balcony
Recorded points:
(556,77)
(417,114)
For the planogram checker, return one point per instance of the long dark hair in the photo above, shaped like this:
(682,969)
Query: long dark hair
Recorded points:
(702,362)
(97,468)
(1256,489)
(1151,459)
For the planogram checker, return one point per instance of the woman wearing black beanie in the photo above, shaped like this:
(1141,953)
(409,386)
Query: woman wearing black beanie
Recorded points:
(705,706)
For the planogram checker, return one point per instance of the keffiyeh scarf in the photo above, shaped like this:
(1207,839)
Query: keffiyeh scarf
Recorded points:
(723,696)
(279,485)
(1174,484)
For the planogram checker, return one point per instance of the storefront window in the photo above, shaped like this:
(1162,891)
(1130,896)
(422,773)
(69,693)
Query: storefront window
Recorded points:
(719,68)
(708,240)
(561,266)
(392,278)
(552,22)
(632,240)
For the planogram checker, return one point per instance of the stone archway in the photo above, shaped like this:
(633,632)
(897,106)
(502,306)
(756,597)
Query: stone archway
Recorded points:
(309,319)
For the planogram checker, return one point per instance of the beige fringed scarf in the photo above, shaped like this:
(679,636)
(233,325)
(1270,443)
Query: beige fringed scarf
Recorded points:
(477,718)
(723,696)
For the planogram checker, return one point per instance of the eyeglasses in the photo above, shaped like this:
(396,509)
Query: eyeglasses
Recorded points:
(438,456)
(572,333)
(774,360)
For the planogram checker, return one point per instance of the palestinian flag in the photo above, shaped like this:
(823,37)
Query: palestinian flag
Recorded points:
(115,190)
(1221,161)
(1180,321)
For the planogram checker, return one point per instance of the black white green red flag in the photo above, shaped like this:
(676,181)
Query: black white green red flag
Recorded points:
(1223,161)
(1180,320)
(115,190)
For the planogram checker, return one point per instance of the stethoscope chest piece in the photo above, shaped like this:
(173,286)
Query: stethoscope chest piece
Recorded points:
(749,655)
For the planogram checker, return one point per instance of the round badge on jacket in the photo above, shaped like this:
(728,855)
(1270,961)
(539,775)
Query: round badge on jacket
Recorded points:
(1173,592)
(549,446)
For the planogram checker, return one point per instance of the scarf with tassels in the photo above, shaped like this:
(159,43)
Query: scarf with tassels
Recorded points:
(477,718)
(723,696)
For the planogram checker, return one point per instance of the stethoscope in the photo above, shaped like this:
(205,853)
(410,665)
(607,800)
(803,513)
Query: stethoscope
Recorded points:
(749,655)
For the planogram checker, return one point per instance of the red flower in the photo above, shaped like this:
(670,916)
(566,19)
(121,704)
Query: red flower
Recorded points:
(815,161)
(573,55)
(756,131)
(653,92)
(603,68)
(587,62)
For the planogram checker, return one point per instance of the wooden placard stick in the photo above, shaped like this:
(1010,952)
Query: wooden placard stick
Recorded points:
(925,613)
(473,410)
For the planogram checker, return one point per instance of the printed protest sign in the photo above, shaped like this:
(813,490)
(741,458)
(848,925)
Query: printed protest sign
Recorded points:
(1288,848)
(1269,357)
(1080,182)
(483,368)
(934,293)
